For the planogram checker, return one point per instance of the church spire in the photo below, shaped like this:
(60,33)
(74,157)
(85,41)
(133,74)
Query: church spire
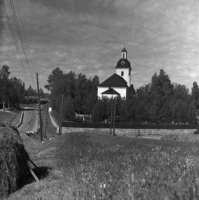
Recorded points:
(124,52)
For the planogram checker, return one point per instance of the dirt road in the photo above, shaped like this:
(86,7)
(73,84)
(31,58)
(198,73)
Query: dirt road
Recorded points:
(30,120)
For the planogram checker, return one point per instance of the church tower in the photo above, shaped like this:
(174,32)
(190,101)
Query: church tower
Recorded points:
(123,67)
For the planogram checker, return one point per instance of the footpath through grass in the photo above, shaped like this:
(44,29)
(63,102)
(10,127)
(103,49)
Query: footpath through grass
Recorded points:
(105,167)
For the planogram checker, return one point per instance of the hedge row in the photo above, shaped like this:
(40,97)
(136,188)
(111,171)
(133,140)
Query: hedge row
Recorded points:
(130,126)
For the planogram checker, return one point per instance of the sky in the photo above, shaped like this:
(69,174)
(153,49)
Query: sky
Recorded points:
(87,36)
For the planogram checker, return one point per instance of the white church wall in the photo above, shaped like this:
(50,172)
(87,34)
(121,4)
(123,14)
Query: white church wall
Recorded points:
(100,90)
(126,76)
(121,91)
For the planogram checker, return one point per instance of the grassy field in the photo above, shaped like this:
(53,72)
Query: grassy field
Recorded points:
(106,167)
(181,137)
(10,117)
(95,166)
(89,166)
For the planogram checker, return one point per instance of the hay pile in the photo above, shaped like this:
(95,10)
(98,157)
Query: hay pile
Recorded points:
(13,160)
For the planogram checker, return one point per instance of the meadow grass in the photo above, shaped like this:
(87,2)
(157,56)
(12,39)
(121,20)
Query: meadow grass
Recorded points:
(97,166)
(10,117)
(183,137)
(91,165)
(106,167)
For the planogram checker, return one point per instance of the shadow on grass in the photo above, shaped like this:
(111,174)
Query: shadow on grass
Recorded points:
(40,172)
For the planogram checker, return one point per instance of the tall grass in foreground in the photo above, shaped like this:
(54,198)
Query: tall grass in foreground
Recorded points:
(108,167)
(183,137)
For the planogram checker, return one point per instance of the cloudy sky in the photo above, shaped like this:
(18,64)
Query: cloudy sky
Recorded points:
(87,36)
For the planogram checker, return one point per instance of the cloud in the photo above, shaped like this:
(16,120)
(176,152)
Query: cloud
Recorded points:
(87,37)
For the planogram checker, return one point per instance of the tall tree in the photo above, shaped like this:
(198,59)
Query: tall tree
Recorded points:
(31,91)
(16,92)
(161,91)
(12,90)
(53,78)
(195,93)
(4,74)
(68,109)
(81,90)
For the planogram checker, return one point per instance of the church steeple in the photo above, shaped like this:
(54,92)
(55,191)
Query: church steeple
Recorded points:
(124,53)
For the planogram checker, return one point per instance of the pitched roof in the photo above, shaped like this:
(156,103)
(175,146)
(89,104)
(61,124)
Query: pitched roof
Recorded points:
(123,63)
(114,81)
(124,50)
(110,91)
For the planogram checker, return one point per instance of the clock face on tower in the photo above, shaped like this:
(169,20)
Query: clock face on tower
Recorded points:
(122,63)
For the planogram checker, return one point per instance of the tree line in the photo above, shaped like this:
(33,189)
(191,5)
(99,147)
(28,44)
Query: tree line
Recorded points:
(159,102)
(12,90)
(79,92)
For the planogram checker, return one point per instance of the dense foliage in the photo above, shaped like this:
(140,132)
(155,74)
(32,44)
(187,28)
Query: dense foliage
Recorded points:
(12,90)
(33,92)
(159,102)
(122,168)
(79,94)
(163,102)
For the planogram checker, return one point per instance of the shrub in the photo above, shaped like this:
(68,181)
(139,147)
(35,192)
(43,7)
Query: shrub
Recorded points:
(13,160)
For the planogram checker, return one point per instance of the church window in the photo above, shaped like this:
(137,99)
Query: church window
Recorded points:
(122,73)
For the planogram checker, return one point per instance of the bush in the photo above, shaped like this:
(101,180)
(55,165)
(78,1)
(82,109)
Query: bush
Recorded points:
(13,160)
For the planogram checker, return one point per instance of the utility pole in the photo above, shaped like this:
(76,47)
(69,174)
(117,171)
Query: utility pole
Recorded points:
(114,114)
(41,135)
(46,118)
(61,111)
(111,116)
(4,93)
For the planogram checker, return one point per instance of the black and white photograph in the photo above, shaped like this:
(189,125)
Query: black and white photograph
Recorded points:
(99,99)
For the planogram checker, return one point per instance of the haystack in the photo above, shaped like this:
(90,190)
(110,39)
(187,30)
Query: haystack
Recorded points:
(13,160)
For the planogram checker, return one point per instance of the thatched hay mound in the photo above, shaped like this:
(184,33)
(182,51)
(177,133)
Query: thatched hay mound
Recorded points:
(13,160)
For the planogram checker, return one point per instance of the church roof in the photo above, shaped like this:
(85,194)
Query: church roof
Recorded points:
(124,50)
(114,81)
(110,91)
(123,63)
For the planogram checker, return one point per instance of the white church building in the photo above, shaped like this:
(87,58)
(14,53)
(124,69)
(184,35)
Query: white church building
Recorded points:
(119,82)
